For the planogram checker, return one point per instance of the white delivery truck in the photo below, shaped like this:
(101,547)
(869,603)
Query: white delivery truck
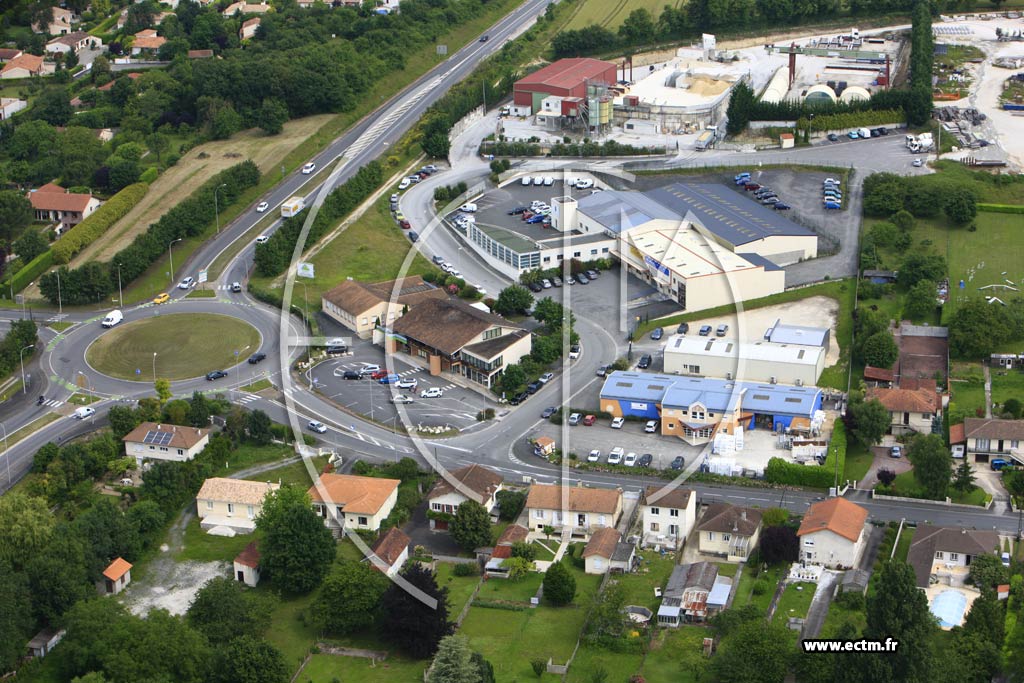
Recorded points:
(293,207)
(113,318)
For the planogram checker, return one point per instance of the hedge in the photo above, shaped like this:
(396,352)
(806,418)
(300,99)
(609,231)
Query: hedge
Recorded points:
(94,227)
(856,119)
(1001,208)
(33,269)
(780,471)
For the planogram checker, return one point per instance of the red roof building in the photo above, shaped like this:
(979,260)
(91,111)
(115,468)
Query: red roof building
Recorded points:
(564,78)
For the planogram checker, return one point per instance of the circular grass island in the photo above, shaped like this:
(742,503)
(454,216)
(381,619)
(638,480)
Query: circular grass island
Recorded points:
(186,346)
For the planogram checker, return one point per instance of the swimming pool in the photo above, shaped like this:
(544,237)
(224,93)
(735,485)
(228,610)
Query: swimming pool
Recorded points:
(949,606)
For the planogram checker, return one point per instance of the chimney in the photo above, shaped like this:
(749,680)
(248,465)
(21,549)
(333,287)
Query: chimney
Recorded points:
(743,514)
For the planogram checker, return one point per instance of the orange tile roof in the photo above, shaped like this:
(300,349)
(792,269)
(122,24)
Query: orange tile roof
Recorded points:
(31,63)
(837,515)
(359,495)
(512,534)
(956,434)
(391,545)
(117,569)
(107,86)
(921,400)
(602,543)
(250,557)
(549,497)
(56,199)
(181,437)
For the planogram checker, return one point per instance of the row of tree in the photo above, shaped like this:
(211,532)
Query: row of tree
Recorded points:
(922,56)
(548,342)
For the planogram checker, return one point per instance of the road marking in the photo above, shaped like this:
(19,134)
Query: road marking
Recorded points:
(247,398)
(54,403)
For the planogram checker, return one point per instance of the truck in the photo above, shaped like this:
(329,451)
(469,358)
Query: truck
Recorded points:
(293,207)
(705,140)
(113,318)
(920,143)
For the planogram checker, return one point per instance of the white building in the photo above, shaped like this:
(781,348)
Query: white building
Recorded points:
(668,516)
(606,551)
(246,566)
(944,554)
(73,42)
(9,106)
(579,510)
(391,551)
(473,482)
(346,501)
(231,503)
(151,441)
(751,361)
(833,534)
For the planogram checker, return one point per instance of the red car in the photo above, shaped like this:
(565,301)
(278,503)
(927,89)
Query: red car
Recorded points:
(405,225)
(527,215)
(589,420)
(750,187)
(380,374)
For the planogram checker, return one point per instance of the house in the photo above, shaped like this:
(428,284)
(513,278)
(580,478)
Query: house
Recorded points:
(360,306)
(913,406)
(391,551)
(151,441)
(453,336)
(599,556)
(668,516)
(115,577)
(832,533)
(246,8)
(686,594)
(248,29)
(9,106)
(52,203)
(24,66)
(346,501)
(146,42)
(200,54)
(473,482)
(231,503)
(59,24)
(729,531)
(992,437)
(247,565)
(9,53)
(943,554)
(44,641)
(577,510)
(73,42)
(511,535)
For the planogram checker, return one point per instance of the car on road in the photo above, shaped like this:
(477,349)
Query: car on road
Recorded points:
(401,398)
(484,38)
(216,374)
(308,168)
(722,329)
(629,460)
(390,378)
(432,392)
(683,328)
(602,371)
(645,460)
(262,206)
(369,369)
(651,427)
(317,426)
(896,452)
(833,205)
(236,287)
(594,456)
(705,330)
(781,206)
(678,463)
(84,412)
(589,420)
(546,377)
(187,283)
(407,383)
(918,163)
(657,333)
(256,358)
(351,374)
(615,455)
(617,422)
(162,298)
(337,349)
(262,239)
(574,352)
(548,412)
(574,419)
(645,362)
(832,137)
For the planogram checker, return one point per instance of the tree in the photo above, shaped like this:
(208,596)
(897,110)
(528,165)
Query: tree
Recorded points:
(932,464)
(1014,483)
(100,67)
(977,328)
(510,504)
(880,350)
(30,244)
(538,667)
(513,377)
(779,544)
(963,478)
(525,550)
(157,143)
(484,668)
(741,106)
(471,527)
(54,107)
(754,653)
(870,420)
(410,624)
(224,609)
(514,299)
(559,585)
(637,28)
(15,210)
(1013,408)
(297,549)
(899,610)
(15,616)
(453,662)
(253,660)
(199,410)
(26,526)
(57,576)
(987,572)
(517,567)
(607,618)
(162,387)
(886,476)
(258,425)
(921,301)
(919,266)
(349,598)
(775,517)
(272,116)
(960,204)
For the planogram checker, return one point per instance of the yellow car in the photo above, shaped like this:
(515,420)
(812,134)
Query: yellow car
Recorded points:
(162,298)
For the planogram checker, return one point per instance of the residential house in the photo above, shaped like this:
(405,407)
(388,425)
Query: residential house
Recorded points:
(248,29)
(832,533)
(147,43)
(989,437)
(346,501)
(231,503)
(913,406)
(52,203)
(44,641)
(450,335)
(9,106)
(943,554)
(9,53)
(729,531)
(473,482)
(606,551)
(200,54)
(73,42)
(577,510)
(59,24)
(247,565)
(24,66)
(151,441)
(246,8)
(391,551)
(668,516)
(115,577)
(686,594)
(511,535)
(359,306)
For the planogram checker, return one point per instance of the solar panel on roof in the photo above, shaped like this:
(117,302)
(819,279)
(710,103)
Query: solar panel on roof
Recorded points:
(158,438)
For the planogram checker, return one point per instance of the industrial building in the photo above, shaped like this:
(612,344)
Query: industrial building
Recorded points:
(571,92)
(696,409)
(754,361)
(781,333)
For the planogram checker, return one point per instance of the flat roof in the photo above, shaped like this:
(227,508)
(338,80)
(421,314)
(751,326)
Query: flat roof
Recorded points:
(720,347)
(618,210)
(636,386)
(508,238)
(782,333)
(687,252)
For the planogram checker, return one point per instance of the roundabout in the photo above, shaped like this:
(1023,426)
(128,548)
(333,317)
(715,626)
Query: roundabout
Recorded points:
(174,346)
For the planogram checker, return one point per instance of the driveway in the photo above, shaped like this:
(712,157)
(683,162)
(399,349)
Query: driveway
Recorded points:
(883,461)
(436,542)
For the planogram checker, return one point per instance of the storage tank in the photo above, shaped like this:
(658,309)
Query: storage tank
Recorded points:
(606,111)
(777,87)
(819,94)
(854,93)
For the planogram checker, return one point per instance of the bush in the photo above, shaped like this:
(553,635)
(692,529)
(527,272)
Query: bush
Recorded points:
(149,175)
(1001,208)
(29,272)
(465,569)
(760,587)
(94,227)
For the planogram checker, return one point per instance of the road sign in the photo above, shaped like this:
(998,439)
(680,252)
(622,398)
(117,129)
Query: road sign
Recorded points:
(306,269)
(202,276)
(442,50)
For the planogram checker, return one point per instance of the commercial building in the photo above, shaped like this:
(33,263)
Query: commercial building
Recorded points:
(151,441)
(754,361)
(361,306)
(566,78)
(782,333)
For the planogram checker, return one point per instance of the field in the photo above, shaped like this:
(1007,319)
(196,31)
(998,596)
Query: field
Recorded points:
(611,13)
(173,346)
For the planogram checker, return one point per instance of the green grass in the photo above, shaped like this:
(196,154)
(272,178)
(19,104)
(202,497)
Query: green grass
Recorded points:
(543,551)
(639,587)
(328,668)
(1007,384)
(967,383)
(858,460)
(82,399)
(459,587)
(12,390)
(59,326)
(906,485)
(290,634)
(202,547)
(246,455)
(202,294)
(258,385)
(727,569)
(903,545)
(745,590)
(186,345)
(516,591)
(295,473)
(611,14)
(589,659)
(838,616)
(664,663)
(795,601)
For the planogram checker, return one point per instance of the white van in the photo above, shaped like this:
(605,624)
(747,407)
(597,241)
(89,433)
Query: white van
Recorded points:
(84,412)
(527,180)
(468,207)
(113,318)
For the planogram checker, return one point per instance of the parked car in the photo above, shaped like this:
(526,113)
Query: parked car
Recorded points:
(407,383)
(584,184)
(336,349)
(615,455)
(722,329)
(574,352)
(651,427)
(1005,559)
(390,378)
(527,180)
(657,333)
(519,398)
(557,281)
(645,362)
(546,377)
(750,187)
(617,422)
(629,460)
(379,374)
(438,260)
(594,456)
(582,279)
(683,328)
(740,176)
(548,181)
(589,420)
(316,426)
(351,374)
(781,206)
(401,398)
(832,137)
(533,387)
(645,460)
(404,184)
(918,163)
(833,181)
(538,180)
(574,419)
(369,369)
(896,451)
(678,463)
(833,205)
(546,283)
(852,135)
(308,168)
(216,374)
(262,239)
(998,463)
(432,392)
(770,200)
(602,371)
(705,330)
(592,274)
(517,210)
(536,218)
(256,358)
(548,412)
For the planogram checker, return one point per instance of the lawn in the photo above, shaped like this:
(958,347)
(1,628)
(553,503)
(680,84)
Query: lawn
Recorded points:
(545,549)
(1007,384)
(858,460)
(795,601)
(906,485)
(202,547)
(459,587)
(173,346)
(639,586)
(903,545)
(246,455)
(620,666)
(967,383)
(664,663)
(328,668)
(293,473)
(745,590)
(290,634)
(838,616)
(517,591)
(258,385)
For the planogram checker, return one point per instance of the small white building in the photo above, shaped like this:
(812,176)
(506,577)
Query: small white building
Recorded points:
(9,106)
(44,641)
(668,516)
(390,551)
(151,441)
(73,42)
(346,501)
(247,566)
(750,361)
(473,482)
(232,503)
(607,552)
(832,534)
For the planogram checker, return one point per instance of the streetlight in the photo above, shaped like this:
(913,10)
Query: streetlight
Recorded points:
(154,367)
(21,357)
(216,208)
(120,296)
(171,255)
(60,305)
(8,457)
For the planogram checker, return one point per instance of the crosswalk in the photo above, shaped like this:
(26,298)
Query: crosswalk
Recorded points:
(57,318)
(247,398)
(53,403)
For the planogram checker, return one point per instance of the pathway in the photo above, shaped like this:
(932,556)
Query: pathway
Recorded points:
(818,610)
(988,390)
(779,590)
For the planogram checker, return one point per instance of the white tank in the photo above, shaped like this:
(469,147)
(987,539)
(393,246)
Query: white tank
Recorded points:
(854,93)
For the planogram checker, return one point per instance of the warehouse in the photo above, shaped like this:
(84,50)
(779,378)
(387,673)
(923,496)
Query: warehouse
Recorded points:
(566,78)
(754,361)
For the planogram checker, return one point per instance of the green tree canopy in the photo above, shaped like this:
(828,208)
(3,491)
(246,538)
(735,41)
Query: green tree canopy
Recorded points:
(252,660)
(754,653)
(514,299)
(15,212)
(932,464)
(870,421)
(559,585)
(224,609)
(880,350)
(899,610)
(410,624)
(453,662)
(349,598)
(471,527)
(296,548)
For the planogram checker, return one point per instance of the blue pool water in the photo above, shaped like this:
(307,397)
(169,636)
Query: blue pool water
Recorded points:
(949,606)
